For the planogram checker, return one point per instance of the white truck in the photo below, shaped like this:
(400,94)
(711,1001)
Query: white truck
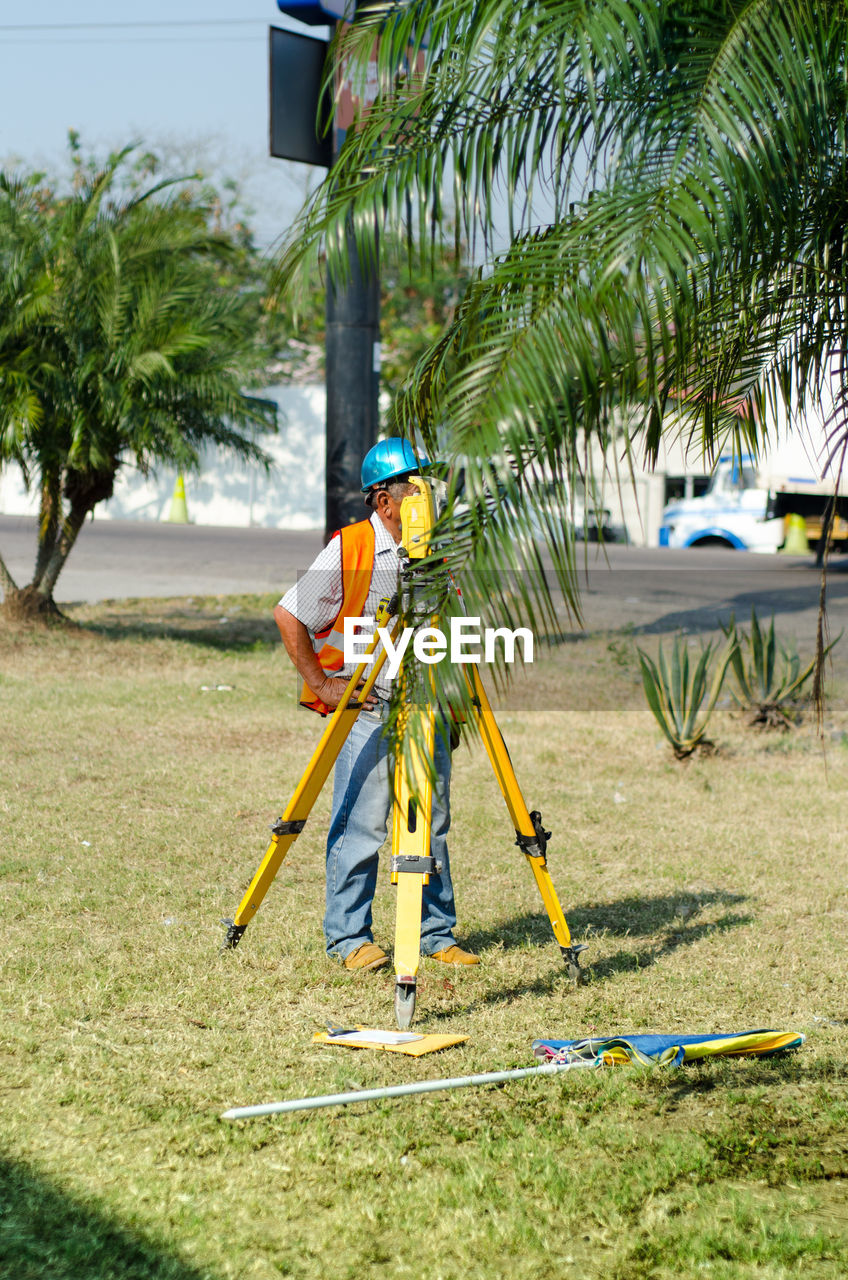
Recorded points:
(748,502)
(731,512)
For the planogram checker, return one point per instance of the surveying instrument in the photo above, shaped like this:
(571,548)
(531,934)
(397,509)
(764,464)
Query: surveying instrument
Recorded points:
(411,860)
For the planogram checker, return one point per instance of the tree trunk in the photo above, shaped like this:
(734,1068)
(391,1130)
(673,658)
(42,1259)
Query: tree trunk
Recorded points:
(35,603)
(27,604)
(7,582)
(70,528)
(24,604)
(48,524)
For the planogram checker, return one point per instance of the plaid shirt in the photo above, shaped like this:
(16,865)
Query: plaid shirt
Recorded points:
(316,597)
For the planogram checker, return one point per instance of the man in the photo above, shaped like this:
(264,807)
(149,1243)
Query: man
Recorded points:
(356,570)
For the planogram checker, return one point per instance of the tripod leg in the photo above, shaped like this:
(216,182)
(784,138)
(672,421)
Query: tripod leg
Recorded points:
(531,836)
(407,945)
(411,860)
(287,828)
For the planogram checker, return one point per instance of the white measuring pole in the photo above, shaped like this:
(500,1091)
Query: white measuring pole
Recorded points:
(399,1090)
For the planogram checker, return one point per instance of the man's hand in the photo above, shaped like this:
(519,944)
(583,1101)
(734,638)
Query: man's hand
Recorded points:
(331,690)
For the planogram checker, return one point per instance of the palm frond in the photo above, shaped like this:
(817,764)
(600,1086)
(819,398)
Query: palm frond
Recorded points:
(693,163)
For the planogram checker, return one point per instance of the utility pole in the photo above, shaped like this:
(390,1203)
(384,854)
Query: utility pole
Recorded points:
(353,383)
(352,361)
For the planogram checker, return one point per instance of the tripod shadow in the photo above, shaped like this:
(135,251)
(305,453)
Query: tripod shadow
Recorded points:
(629,961)
(669,921)
(632,917)
(702,1078)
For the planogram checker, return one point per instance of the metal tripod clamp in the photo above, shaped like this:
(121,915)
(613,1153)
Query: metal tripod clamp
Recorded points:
(420,865)
(284,827)
(534,846)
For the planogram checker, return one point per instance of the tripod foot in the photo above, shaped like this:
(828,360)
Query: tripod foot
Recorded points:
(404,1002)
(571,956)
(234,932)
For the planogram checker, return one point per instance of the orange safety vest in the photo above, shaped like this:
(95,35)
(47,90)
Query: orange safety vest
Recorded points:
(356,553)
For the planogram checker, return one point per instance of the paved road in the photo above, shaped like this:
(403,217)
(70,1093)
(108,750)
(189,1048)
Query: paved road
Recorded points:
(652,590)
(117,559)
(658,591)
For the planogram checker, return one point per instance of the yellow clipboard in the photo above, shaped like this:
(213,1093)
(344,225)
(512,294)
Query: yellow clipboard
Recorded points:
(393,1041)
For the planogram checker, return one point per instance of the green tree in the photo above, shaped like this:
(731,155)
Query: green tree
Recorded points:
(674,175)
(131,333)
(417,302)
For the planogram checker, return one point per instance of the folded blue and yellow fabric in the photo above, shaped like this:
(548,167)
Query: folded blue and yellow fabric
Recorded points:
(671,1050)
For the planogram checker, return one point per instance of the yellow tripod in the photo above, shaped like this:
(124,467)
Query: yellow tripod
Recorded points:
(412,860)
(289,825)
(412,863)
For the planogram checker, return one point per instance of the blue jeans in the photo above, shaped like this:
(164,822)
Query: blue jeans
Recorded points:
(358,827)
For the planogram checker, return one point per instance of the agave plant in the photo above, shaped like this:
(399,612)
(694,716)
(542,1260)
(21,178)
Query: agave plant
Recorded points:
(682,698)
(768,689)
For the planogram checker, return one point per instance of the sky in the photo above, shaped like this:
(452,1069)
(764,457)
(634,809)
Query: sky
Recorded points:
(191,75)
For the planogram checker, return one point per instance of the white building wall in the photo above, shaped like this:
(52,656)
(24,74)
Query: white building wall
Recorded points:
(634,495)
(291,495)
(226,491)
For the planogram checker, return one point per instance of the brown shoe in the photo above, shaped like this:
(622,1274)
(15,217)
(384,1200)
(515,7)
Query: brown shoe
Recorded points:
(368,956)
(454,955)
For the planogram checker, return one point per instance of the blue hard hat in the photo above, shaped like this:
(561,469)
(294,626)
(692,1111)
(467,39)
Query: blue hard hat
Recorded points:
(390,460)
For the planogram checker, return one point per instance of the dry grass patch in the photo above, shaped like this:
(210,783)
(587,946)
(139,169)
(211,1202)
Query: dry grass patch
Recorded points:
(134,810)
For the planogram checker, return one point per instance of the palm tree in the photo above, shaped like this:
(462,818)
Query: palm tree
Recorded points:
(674,174)
(122,341)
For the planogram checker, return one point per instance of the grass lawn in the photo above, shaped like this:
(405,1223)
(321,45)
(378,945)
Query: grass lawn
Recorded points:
(135,803)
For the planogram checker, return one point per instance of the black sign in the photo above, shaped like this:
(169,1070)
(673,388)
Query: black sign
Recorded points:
(298,111)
